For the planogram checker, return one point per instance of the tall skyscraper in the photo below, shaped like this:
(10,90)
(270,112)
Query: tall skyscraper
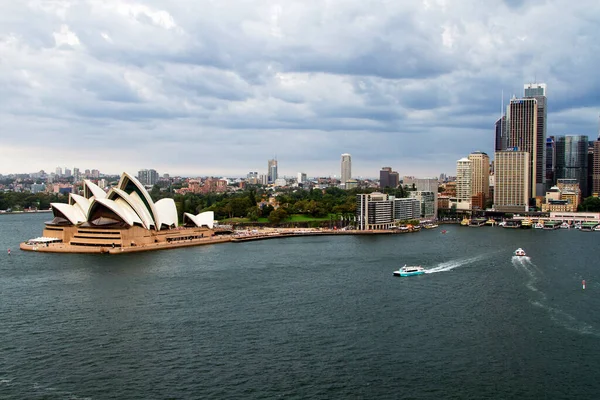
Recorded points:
(596,172)
(346,168)
(501,134)
(550,161)
(511,181)
(590,170)
(480,177)
(58,172)
(571,159)
(522,136)
(272,170)
(463,180)
(537,91)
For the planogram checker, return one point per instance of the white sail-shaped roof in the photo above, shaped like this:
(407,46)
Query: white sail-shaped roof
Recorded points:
(130,185)
(119,207)
(206,218)
(80,202)
(131,214)
(72,213)
(135,203)
(90,189)
(167,212)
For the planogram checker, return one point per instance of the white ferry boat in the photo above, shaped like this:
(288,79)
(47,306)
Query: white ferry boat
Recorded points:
(410,271)
(520,252)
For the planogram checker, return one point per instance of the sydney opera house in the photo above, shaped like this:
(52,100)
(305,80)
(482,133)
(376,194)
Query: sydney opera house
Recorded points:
(123,219)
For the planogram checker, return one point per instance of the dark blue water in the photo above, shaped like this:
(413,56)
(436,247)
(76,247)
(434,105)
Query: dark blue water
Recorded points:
(306,317)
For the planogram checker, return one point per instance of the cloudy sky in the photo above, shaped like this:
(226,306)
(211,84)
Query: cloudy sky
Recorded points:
(217,87)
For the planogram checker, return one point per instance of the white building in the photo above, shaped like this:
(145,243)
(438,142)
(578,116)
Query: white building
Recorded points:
(346,168)
(374,211)
(301,177)
(463,182)
(280,182)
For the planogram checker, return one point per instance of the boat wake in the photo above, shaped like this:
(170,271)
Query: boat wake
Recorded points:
(450,265)
(557,315)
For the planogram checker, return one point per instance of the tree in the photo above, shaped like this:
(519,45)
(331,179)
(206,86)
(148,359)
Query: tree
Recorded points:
(266,210)
(253,213)
(252,197)
(591,204)
(277,215)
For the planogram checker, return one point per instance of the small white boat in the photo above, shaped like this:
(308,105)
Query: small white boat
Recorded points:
(410,271)
(520,252)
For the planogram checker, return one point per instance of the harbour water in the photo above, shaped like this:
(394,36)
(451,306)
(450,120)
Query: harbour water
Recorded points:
(308,317)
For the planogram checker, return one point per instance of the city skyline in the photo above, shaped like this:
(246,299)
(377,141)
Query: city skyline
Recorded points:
(217,88)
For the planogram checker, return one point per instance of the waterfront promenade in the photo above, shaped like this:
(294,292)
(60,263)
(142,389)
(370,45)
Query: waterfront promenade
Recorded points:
(235,237)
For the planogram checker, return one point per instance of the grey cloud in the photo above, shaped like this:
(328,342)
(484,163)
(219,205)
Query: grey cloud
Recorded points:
(390,82)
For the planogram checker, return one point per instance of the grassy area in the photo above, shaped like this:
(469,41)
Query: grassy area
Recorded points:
(292,218)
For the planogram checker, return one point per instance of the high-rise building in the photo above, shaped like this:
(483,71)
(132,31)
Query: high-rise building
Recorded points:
(147,177)
(384,177)
(301,177)
(429,185)
(272,170)
(512,186)
(501,131)
(263,179)
(394,179)
(463,180)
(550,161)
(58,172)
(76,176)
(571,159)
(537,91)
(428,203)
(346,168)
(252,178)
(590,170)
(596,172)
(95,174)
(523,136)
(480,178)
(67,172)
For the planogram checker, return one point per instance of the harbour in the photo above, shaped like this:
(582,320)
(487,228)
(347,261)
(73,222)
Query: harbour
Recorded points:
(305,317)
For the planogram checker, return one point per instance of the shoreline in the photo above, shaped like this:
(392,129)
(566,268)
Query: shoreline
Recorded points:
(233,238)
(24,212)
